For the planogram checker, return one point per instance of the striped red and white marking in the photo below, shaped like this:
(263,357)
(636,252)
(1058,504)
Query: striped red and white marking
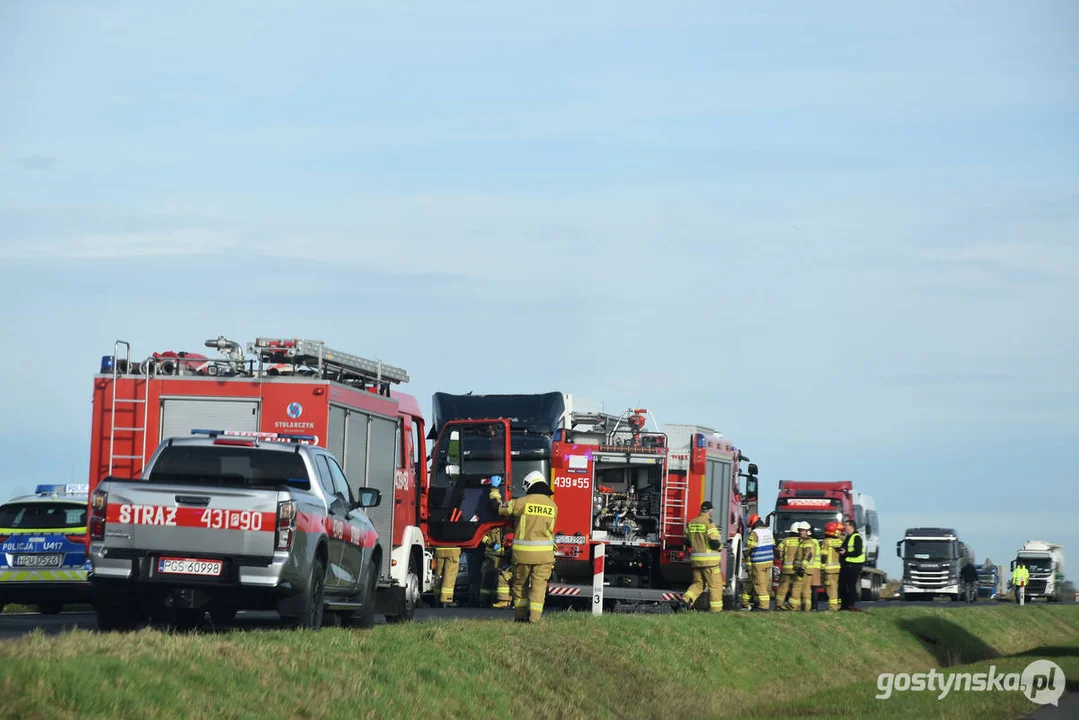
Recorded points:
(564,591)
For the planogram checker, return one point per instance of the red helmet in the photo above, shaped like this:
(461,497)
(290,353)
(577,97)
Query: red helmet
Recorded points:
(831,527)
(753,519)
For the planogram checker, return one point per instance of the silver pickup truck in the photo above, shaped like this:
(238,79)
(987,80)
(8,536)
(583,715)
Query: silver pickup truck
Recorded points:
(224,523)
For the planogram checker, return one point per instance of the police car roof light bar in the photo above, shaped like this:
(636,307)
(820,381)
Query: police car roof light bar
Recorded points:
(67,489)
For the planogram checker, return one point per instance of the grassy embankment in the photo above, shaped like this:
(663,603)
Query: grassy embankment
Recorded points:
(573,665)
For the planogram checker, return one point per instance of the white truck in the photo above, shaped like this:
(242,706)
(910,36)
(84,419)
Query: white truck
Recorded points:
(1045,563)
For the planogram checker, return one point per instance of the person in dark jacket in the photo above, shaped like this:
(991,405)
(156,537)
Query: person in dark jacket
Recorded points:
(852,557)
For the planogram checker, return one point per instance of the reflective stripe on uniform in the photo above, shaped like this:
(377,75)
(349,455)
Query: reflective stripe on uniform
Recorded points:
(533,545)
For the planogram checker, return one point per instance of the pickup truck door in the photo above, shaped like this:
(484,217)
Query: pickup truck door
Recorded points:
(336,526)
(355,530)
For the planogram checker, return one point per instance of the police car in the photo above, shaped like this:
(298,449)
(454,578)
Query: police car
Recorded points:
(43,548)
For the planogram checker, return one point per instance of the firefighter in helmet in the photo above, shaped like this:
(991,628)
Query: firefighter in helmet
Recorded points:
(496,571)
(533,545)
(788,552)
(804,564)
(830,563)
(705,555)
(760,558)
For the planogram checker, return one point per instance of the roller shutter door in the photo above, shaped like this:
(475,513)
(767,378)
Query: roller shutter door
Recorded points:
(179,416)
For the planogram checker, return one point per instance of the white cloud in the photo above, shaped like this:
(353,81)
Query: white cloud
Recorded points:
(115,246)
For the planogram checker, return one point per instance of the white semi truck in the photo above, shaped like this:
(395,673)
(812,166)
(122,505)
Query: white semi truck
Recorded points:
(1045,563)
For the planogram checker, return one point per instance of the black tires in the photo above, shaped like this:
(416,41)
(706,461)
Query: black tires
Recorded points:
(312,608)
(50,607)
(366,618)
(406,609)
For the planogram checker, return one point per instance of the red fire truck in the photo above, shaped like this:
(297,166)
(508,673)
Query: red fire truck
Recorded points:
(634,490)
(819,503)
(283,386)
(616,482)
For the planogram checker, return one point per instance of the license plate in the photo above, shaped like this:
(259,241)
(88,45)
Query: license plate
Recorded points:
(189,566)
(38,560)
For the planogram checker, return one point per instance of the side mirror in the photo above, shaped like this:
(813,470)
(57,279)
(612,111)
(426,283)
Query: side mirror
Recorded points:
(898,551)
(751,488)
(368,497)
(753,468)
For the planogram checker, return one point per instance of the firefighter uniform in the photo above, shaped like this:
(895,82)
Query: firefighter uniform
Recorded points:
(496,574)
(814,573)
(705,555)
(788,552)
(447,562)
(830,568)
(803,568)
(760,559)
(533,546)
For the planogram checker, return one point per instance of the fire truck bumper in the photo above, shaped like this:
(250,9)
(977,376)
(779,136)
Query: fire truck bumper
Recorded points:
(614,593)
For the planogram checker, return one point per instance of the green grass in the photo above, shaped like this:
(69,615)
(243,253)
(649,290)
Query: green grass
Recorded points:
(571,666)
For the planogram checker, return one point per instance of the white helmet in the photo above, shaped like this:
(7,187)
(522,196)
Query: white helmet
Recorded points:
(532,478)
(794,528)
(805,526)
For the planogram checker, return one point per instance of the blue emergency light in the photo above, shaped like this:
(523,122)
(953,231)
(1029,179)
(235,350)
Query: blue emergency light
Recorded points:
(108,362)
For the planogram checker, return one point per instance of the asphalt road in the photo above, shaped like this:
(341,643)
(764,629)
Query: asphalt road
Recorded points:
(15,625)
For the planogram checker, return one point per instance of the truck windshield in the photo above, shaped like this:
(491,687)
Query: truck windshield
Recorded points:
(1037,565)
(930,550)
(43,516)
(818,520)
(228,465)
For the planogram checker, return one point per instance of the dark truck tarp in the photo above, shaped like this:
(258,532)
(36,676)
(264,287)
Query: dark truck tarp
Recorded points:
(539,413)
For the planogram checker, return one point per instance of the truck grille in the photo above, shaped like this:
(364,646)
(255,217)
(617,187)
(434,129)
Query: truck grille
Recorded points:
(929,578)
(1036,587)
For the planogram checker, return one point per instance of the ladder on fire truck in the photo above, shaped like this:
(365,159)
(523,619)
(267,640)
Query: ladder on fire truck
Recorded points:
(135,429)
(327,362)
(675,491)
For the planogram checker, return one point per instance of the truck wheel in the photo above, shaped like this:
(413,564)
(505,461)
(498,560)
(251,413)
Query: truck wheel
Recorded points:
(310,617)
(411,597)
(116,607)
(366,618)
(223,616)
(186,619)
(50,608)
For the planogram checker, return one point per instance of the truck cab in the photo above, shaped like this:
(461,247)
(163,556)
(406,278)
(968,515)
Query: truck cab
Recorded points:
(1045,563)
(932,561)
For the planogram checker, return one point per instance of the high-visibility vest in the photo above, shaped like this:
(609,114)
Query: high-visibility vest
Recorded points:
(816,564)
(761,546)
(849,547)
(1020,576)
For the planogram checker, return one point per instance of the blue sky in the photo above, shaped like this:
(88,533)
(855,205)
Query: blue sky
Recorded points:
(844,235)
